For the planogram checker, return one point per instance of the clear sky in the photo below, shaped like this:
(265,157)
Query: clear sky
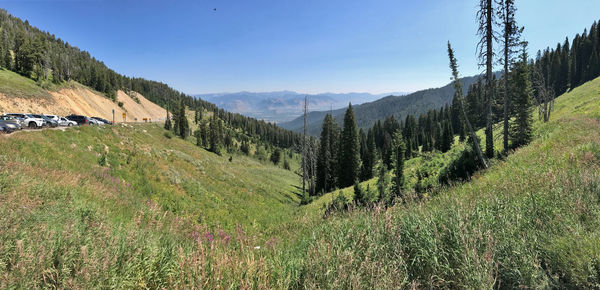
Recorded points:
(308,46)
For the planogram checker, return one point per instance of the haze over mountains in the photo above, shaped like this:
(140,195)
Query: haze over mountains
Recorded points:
(285,106)
(398,106)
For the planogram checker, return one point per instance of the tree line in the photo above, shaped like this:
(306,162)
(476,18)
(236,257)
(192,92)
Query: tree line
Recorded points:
(347,156)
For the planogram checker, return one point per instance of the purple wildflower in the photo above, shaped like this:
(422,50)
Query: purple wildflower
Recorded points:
(209,237)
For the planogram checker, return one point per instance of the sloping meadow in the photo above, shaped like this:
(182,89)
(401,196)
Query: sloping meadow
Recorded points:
(128,207)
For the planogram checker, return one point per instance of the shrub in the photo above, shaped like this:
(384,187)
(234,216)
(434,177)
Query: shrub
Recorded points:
(462,167)
(102,160)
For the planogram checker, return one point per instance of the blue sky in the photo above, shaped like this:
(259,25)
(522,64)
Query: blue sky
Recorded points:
(308,46)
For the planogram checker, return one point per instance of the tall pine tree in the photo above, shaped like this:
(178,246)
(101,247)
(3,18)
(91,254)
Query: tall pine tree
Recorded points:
(349,167)
(521,130)
(398,180)
(327,155)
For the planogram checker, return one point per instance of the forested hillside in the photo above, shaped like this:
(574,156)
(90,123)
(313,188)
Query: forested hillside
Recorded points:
(49,60)
(368,114)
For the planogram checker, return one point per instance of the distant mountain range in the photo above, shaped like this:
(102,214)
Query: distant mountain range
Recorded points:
(397,105)
(285,106)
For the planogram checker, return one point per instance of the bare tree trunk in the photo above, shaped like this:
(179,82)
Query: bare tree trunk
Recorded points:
(304,149)
(507,27)
(459,95)
(489,138)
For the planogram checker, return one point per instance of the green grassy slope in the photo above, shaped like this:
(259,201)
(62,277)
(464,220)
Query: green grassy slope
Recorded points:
(14,85)
(166,214)
(530,221)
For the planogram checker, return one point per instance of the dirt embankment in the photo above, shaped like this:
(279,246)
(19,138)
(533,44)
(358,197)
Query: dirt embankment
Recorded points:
(83,101)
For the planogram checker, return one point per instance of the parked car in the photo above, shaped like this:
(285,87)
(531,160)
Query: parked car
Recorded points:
(62,121)
(81,120)
(53,117)
(12,119)
(7,127)
(102,120)
(29,120)
(95,122)
(49,122)
(11,122)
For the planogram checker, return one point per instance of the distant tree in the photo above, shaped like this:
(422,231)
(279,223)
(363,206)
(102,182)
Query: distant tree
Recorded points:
(544,93)
(327,155)
(447,136)
(383,181)
(245,147)
(370,157)
(197,117)
(276,156)
(7,57)
(350,150)
(182,122)
(214,136)
(205,134)
(286,164)
(398,179)
(168,122)
(487,19)
(198,136)
(359,193)
(521,127)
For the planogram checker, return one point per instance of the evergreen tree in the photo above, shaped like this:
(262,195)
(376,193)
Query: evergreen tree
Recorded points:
(521,131)
(383,181)
(205,135)
(370,157)
(245,147)
(276,156)
(447,137)
(214,136)
(398,180)
(198,136)
(438,137)
(350,150)
(168,122)
(359,194)
(182,122)
(327,156)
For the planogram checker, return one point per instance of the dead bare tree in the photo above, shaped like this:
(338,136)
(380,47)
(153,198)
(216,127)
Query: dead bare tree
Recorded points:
(304,150)
(459,96)
(544,96)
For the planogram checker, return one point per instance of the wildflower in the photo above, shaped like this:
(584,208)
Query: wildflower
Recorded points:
(196,236)
(224,236)
(209,237)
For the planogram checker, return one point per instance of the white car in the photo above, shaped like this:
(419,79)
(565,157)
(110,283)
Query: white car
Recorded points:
(53,117)
(62,121)
(30,121)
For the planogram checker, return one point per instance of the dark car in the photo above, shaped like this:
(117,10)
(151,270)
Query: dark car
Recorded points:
(102,120)
(81,120)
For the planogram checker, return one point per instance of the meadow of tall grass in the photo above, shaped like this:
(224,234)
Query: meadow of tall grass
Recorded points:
(168,215)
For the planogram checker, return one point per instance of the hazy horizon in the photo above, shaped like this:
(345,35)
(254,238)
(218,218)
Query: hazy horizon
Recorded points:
(303,46)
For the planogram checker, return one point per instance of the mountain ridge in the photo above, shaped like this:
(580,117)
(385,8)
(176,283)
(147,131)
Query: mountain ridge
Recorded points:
(398,106)
(285,105)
